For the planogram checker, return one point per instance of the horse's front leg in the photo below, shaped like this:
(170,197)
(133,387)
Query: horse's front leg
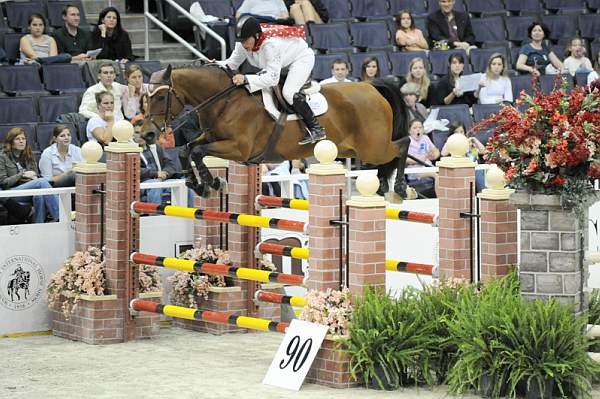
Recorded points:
(198,176)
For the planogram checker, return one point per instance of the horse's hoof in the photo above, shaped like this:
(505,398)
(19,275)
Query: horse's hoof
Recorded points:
(223,185)
(393,198)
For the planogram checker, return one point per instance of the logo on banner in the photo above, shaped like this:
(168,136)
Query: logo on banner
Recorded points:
(22,281)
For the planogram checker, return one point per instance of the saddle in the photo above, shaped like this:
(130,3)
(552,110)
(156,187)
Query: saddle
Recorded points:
(280,103)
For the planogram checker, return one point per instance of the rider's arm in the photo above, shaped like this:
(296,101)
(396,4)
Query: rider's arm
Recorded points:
(269,76)
(237,57)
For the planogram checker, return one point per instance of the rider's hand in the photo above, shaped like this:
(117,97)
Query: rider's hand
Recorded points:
(238,79)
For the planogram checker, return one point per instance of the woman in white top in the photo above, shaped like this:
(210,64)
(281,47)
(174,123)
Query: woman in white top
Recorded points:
(135,88)
(56,162)
(495,86)
(36,47)
(99,128)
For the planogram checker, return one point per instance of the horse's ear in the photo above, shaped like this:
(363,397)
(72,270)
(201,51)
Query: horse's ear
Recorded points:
(166,78)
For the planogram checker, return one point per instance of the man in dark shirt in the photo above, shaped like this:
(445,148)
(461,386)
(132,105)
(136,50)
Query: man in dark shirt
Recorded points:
(450,26)
(70,39)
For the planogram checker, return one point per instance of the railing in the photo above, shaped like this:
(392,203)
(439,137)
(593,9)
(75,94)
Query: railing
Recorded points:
(157,22)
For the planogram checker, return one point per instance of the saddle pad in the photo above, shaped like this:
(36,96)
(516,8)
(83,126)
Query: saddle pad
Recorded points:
(316,101)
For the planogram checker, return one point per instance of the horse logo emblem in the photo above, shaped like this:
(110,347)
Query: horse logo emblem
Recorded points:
(22,281)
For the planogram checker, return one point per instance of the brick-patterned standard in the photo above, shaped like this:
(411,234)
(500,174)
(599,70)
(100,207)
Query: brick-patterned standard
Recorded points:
(331,367)
(87,204)
(453,193)
(498,237)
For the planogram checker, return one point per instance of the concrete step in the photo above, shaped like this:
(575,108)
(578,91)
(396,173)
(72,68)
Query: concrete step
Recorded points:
(165,52)
(93,7)
(137,36)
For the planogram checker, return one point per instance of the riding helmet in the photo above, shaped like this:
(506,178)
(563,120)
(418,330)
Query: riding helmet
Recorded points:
(246,27)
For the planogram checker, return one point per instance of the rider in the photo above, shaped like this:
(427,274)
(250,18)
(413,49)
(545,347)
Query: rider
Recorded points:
(272,48)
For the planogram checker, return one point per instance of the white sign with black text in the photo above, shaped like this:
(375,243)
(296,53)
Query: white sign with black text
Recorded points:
(295,355)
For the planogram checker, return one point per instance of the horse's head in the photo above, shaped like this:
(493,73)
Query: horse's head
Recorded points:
(163,105)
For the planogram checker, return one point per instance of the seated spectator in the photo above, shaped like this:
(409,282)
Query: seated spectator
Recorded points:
(106,78)
(410,93)
(135,88)
(111,37)
(99,128)
(495,87)
(339,72)
(417,73)
(449,28)
(475,153)
(56,162)
(596,72)
(304,12)
(36,47)
(263,10)
(165,139)
(19,171)
(154,167)
(369,69)
(422,148)
(448,90)
(70,39)
(408,36)
(535,57)
(286,168)
(577,62)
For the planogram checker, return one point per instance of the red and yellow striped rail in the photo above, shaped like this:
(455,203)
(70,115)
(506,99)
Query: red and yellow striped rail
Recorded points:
(251,323)
(193,266)
(274,297)
(267,201)
(226,217)
(304,253)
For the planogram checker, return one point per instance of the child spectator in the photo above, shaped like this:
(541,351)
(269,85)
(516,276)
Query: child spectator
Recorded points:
(56,162)
(36,47)
(577,62)
(70,39)
(369,69)
(422,148)
(409,37)
(106,77)
(495,87)
(111,37)
(339,72)
(448,90)
(99,128)
(135,88)
(417,73)
(475,152)
(307,11)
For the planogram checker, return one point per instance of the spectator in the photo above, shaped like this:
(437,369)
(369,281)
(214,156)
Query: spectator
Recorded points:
(286,168)
(577,62)
(111,37)
(410,93)
(417,73)
(135,88)
(448,90)
(154,167)
(70,39)
(449,28)
(307,11)
(409,37)
(18,171)
(99,128)
(38,48)
(339,72)
(165,139)
(263,10)
(475,153)
(369,69)
(106,77)
(422,148)
(56,162)
(535,57)
(495,87)
(596,72)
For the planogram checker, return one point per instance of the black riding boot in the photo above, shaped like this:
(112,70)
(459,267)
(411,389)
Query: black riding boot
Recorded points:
(315,131)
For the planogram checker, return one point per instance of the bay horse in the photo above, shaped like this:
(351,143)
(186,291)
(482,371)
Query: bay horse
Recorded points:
(367,121)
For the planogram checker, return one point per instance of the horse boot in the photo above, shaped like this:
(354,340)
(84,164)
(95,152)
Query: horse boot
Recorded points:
(315,131)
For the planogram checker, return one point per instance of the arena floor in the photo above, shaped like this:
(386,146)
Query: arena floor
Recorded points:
(179,364)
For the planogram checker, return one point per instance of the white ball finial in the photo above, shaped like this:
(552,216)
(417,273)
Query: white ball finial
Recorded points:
(325,151)
(494,178)
(122,131)
(91,151)
(367,184)
(458,145)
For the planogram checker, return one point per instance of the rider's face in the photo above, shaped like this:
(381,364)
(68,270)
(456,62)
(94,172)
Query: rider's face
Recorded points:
(249,43)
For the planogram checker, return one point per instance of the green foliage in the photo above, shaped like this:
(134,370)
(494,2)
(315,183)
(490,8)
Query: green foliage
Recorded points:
(594,311)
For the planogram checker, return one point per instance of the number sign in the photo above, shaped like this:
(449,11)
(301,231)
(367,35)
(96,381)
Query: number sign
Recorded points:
(295,354)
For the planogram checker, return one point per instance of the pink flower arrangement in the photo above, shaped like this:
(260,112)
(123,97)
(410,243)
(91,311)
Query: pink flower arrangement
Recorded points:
(331,308)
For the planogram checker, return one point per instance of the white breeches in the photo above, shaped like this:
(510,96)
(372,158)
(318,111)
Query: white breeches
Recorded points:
(298,73)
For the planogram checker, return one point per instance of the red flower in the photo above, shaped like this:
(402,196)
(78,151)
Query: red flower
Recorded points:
(594,171)
(531,168)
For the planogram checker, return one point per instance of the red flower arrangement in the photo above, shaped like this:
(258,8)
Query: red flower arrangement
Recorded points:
(551,147)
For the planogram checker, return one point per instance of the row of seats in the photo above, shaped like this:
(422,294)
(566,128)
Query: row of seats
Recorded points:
(18,12)
(31,109)
(39,135)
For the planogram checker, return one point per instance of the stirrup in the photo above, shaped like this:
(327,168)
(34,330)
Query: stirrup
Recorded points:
(307,139)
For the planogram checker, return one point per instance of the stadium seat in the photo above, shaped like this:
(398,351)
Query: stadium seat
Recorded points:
(357,59)
(562,5)
(323,62)
(416,7)
(18,12)
(455,113)
(485,6)
(517,27)
(55,9)
(519,83)
(43,134)
(369,8)
(481,56)
(561,25)
(439,61)
(523,6)
(593,4)
(29,132)
(63,78)
(439,138)
(589,25)
(371,35)
(52,106)
(581,78)
(339,10)
(11,45)
(489,29)
(3,25)
(19,79)
(17,110)
(401,59)
(217,8)
(483,111)
(332,36)
(547,82)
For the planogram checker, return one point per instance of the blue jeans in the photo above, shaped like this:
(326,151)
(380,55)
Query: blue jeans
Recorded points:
(41,203)
(154,195)
(479,180)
